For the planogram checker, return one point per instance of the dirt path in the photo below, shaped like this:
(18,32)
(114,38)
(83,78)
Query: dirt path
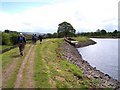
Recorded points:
(19,76)
(29,71)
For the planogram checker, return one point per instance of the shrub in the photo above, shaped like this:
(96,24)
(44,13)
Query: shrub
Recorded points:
(13,38)
(5,39)
(0,38)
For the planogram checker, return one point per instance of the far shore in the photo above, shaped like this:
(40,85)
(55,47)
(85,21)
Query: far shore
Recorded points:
(106,37)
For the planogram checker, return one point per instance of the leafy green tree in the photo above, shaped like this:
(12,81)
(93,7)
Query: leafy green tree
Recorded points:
(118,35)
(13,38)
(65,29)
(5,39)
(28,37)
(7,31)
(0,38)
(49,35)
(103,32)
(54,35)
(114,33)
(9,37)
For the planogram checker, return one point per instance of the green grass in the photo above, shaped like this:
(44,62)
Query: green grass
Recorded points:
(81,38)
(53,71)
(41,74)
(2,47)
(8,56)
(6,59)
(72,68)
(96,80)
(0,71)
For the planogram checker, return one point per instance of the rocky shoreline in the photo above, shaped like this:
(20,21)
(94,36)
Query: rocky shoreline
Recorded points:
(71,54)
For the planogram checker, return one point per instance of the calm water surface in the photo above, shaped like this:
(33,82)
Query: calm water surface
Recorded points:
(103,55)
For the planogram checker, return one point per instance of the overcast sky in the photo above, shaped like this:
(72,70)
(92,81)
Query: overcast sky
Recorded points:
(44,15)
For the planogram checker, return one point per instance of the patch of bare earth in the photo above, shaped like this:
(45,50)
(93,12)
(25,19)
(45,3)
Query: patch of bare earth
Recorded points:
(19,76)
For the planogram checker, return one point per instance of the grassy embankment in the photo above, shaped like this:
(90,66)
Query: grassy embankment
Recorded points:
(53,71)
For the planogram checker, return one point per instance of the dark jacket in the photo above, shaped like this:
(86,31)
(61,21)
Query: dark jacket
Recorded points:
(40,37)
(21,39)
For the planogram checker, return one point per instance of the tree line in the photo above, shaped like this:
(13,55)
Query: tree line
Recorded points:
(9,37)
(101,33)
(65,29)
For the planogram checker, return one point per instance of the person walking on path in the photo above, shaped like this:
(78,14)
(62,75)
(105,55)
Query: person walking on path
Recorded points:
(40,38)
(35,39)
(21,42)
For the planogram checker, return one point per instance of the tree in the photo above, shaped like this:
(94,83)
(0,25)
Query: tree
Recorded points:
(13,38)
(48,35)
(118,35)
(98,30)
(5,39)
(0,38)
(115,33)
(54,35)
(7,31)
(65,29)
(103,32)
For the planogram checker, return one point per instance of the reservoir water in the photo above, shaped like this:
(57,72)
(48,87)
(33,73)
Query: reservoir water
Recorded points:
(103,55)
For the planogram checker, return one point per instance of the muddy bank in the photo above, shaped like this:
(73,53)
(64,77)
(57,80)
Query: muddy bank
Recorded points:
(71,54)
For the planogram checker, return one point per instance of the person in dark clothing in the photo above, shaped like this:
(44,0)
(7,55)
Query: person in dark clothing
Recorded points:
(40,38)
(35,39)
(21,42)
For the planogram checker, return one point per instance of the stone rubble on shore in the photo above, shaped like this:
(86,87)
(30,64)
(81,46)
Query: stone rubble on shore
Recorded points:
(72,55)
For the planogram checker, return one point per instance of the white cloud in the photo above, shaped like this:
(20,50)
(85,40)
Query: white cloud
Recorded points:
(82,14)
